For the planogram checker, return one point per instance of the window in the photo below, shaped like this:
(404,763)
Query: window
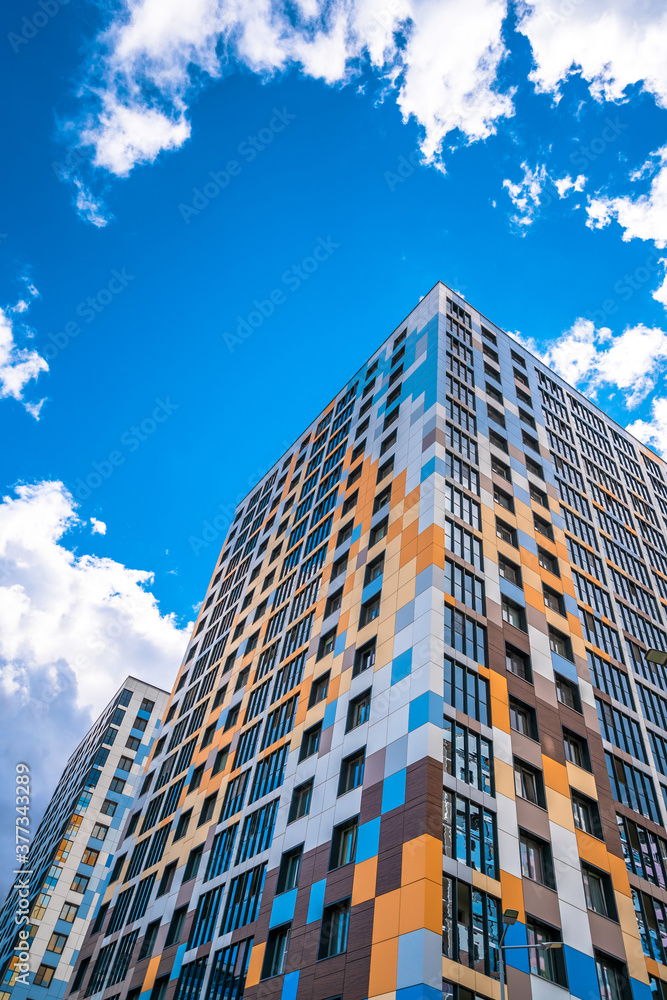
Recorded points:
(343,843)
(467,756)
(494,393)
(385,469)
(44,975)
(276,951)
(124,764)
(117,868)
(327,643)
(364,658)
(132,743)
(288,874)
(182,825)
(501,469)
(388,443)
(69,912)
(374,570)
(586,814)
(195,781)
(523,719)
(369,611)
(206,813)
(529,783)
(117,785)
(539,496)
(498,441)
(194,860)
(108,807)
(176,926)
(576,750)
(509,571)
(333,603)
(78,978)
(301,798)
(644,852)
(339,566)
(358,710)
(80,883)
(220,761)
(465,635)
(567,693)
(470,922)
(90,856)
(536,860)
(599,891)
(378,532)
(166,882)
(513,614)
(548,562)
(335,924)
(560,644)
(232,717)
(554,601)
(613,979)
(242,679)
(518,663)
(543,527)
(310,742)
(469,834)
(503,499)
(355,475)
(318,691)
(506,533)
(352,771)
(466,691)
(350,502)
(548,964)
(534,467)
(381,499)
(345,533)
(57,943)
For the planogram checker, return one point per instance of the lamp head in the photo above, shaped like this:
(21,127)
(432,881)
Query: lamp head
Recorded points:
(657,656)
(510,917)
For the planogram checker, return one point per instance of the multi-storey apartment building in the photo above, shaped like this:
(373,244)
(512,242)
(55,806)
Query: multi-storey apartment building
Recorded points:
(419,695)
(68,862)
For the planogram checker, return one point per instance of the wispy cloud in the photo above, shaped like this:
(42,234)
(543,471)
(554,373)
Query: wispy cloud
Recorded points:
(18,364)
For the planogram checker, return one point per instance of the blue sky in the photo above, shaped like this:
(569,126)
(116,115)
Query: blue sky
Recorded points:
(166,170)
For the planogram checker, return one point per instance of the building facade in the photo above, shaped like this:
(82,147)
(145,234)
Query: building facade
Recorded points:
(417,695)
(70,854)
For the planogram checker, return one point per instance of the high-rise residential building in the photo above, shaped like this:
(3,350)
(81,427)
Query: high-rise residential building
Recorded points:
(419,695)
(48,910)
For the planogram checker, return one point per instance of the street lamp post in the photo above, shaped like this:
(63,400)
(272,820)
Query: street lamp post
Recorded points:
(509,918)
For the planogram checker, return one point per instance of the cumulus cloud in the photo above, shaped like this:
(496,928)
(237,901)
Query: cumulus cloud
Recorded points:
(98,527)
(72,627)
(439,58)
(593,358)
(643,216)
(613,44)
(653,432)
(18,365)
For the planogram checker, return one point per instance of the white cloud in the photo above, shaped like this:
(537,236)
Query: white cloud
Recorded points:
(98,527)
(439,58)
(612,43)
(18,365)
(529,193)
(592,359)
(564,185)
(89,208)
(642,217)
(653,432)
(72,627)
